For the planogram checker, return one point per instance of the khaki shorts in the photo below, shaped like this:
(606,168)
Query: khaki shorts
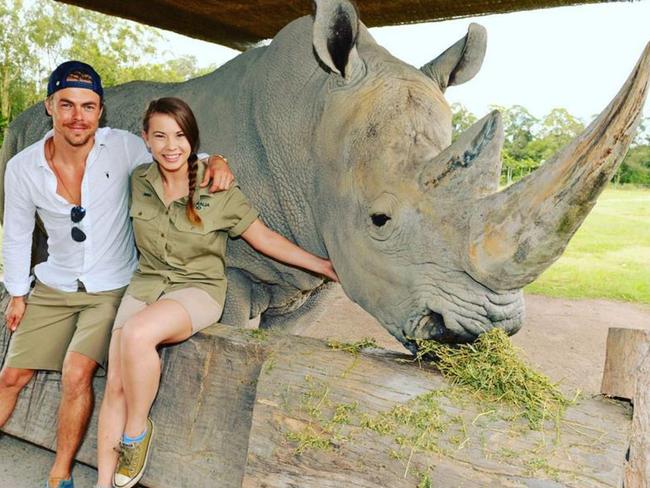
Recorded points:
(57,322)
(200,306)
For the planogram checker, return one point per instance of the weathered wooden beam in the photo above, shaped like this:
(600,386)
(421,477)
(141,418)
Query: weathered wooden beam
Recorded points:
(257,409)
(298,395)
(242,23)
(625,350)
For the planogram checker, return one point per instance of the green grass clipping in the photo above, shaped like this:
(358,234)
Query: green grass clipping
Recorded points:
(493,369)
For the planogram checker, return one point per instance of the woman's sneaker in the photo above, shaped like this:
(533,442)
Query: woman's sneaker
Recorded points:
(69,483)
(133,460)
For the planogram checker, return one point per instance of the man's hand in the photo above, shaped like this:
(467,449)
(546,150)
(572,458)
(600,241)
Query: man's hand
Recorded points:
(14,313)
(218,171)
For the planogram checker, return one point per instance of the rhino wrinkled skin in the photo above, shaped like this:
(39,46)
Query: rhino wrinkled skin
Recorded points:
(346,151)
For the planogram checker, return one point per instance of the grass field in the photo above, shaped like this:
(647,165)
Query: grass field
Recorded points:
(609,257)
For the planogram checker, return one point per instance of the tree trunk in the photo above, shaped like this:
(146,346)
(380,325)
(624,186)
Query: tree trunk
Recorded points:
(240,408)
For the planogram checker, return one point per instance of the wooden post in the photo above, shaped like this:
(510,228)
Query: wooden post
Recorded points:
(625,350)
(637,470)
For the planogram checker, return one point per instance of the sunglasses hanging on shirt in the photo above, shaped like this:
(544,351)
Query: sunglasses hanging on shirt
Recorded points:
(77,214)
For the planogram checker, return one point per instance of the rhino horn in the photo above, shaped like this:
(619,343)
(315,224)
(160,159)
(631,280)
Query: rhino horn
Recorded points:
(472,162)
(461,61)
(514,235)
(336,28)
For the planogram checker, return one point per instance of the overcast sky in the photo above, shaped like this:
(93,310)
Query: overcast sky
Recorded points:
(572,57)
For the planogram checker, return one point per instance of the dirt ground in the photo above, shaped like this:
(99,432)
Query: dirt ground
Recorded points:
(564,339)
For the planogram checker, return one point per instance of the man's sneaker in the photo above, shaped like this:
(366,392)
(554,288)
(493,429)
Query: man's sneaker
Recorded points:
(133,460)
(61,484)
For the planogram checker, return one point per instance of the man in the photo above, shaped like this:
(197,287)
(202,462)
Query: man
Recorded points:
(77,179)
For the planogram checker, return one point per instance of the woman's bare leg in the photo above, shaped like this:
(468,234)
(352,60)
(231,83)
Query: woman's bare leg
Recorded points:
(163,322)
(112,415)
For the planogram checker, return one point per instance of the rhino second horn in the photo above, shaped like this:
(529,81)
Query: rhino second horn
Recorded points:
(517,233)
(471,166)
(460,62)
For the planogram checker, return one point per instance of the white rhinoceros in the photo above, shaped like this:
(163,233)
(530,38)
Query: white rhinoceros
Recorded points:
(346,150)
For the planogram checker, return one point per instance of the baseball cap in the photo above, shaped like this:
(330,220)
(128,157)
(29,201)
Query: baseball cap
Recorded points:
(58,79)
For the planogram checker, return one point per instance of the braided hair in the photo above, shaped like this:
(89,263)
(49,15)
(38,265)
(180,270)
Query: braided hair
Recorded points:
(181,112)
(192,169)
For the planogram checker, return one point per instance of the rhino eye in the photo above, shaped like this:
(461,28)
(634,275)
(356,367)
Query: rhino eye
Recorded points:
(379,219)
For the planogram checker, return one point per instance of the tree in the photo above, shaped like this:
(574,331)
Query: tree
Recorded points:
(643,133)
(15,57)
(528,141)
(461,120)
(36,38)
(635,168)
(558,128)
(519,132)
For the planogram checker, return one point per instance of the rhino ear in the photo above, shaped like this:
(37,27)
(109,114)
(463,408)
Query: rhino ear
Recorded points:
(461,61)
(336,27)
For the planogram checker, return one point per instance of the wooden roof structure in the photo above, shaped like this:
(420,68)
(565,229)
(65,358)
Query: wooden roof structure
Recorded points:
(242,23)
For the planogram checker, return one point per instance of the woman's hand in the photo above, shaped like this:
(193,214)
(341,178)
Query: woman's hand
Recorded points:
(328,271)
(14,312)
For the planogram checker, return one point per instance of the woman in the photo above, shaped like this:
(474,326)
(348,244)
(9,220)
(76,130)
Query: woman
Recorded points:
(179,286)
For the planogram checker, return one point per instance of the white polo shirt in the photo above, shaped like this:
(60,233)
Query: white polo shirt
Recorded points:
(107,258)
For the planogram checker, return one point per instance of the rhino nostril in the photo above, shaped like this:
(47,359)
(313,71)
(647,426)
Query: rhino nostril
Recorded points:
(439,332)
(437,324)
(430,326)
(379,219)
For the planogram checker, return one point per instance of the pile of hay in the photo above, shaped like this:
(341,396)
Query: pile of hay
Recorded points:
(493,369)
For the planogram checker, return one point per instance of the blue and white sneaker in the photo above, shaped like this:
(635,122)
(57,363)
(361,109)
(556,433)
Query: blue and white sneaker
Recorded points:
(69,483)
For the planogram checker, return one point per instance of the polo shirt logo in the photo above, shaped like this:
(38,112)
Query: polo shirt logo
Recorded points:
(199,205)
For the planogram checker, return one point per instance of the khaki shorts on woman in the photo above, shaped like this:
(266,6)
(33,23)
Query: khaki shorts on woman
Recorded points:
(200,306)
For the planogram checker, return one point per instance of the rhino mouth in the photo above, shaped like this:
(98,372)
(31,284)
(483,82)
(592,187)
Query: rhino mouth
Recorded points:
(431,326)
(449,328)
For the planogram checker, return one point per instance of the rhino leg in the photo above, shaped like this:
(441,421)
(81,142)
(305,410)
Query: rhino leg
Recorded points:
(298,320)
(237,309)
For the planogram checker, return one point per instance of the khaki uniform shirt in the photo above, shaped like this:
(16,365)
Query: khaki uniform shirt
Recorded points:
(174,252)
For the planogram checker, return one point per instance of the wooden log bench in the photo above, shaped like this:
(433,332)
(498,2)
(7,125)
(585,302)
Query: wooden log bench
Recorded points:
(240,408)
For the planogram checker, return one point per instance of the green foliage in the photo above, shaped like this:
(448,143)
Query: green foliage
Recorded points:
(417,424)
(324,428)
(37,36)
(354,347)
(425,481)
(16,57)
(462,119)
(529,142)
(309,438)
(635,168)
(492,367)
(259,334)
(519,132)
